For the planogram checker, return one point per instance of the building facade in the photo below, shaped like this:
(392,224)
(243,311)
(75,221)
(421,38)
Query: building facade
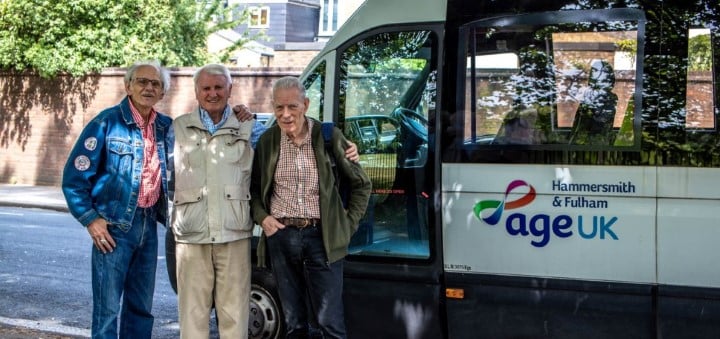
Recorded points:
(295,30)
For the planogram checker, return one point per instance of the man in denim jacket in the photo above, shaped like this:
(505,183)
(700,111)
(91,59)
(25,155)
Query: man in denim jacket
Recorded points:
(116,184)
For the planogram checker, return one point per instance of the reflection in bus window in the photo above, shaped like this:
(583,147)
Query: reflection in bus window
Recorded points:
(576,80)
(518,128)
(314,86)
(593,123)
(699,102)
(387,92)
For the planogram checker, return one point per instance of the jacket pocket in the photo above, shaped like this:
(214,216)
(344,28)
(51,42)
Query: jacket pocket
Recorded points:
(238,197)
(120,155)
(234,149)
(189,210)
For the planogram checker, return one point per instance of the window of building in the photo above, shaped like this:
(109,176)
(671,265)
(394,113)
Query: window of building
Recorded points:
(329,17)
(259,17)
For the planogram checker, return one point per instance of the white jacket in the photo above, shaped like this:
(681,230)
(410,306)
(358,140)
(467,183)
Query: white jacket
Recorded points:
(212,181)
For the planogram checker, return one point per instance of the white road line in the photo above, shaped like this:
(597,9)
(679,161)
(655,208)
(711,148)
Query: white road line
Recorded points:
(47,325)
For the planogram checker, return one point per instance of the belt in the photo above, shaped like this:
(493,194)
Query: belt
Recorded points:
(299,222)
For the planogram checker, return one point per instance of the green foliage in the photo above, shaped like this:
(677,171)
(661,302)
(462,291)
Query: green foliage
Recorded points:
(628,46)
(83,36)
(700,53)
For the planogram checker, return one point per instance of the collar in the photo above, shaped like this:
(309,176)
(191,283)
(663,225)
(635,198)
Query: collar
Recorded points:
(207,121)
(137,117)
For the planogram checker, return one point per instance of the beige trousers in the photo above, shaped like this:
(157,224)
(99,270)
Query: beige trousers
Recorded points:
(218,273)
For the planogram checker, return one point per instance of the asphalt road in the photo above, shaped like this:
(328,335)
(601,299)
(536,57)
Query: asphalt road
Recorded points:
(45,278)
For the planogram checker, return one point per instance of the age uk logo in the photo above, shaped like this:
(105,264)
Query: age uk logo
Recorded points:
(541,227)
(500,206)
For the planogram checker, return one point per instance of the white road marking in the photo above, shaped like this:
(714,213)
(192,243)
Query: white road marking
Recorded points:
(47,325)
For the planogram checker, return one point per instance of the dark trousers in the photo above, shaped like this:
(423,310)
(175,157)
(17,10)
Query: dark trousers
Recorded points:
(304,275)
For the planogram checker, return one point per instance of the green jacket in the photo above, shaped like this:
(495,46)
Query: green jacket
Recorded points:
(338,224)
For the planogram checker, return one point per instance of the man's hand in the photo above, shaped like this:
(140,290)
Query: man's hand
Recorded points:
(270,225)
(351,153)
(100,235)
(242,113)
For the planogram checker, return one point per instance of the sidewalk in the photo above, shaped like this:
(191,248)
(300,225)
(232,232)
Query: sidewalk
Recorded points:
(47,197)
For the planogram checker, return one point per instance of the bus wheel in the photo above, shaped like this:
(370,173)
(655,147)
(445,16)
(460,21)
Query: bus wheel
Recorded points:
(265,316)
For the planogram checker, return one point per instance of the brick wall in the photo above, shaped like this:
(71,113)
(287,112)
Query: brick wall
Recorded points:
(288,58)
(40,119)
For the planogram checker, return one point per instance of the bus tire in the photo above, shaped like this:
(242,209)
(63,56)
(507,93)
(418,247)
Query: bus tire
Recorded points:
(266,318)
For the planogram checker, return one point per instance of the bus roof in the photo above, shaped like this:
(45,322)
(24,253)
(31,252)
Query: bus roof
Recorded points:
(375,13)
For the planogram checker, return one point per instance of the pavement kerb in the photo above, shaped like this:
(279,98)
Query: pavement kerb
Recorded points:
(34,205)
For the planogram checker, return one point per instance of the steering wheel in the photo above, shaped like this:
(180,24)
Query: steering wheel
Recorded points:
(412,121)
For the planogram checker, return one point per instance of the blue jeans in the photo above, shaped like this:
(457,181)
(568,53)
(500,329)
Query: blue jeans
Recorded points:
(303,274)
(128,272)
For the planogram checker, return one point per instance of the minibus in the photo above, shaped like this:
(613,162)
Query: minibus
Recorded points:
(540,169)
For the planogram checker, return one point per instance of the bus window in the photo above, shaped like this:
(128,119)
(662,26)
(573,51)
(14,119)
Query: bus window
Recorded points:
(387,94)
(314,86)
(551,83)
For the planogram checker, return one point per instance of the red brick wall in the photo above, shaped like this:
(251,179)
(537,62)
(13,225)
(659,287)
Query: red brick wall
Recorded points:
(288,58)
(40,119)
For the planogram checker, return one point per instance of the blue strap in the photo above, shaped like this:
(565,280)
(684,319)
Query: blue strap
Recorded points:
(342,187)
(327,131)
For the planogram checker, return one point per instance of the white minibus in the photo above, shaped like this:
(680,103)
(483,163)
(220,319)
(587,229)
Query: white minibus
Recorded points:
(540,169)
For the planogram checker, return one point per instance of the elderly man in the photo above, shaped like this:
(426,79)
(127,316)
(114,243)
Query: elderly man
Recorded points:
(296,201)
(211,215)
(115,184)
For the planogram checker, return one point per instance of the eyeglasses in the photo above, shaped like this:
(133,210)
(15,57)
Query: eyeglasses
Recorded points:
(144,82)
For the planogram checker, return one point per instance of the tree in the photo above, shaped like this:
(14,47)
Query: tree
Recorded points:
(700,53)
(83,36)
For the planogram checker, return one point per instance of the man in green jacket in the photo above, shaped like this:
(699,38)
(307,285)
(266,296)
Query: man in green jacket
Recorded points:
(296,202)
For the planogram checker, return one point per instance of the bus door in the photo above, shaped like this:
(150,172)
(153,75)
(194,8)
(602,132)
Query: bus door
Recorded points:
(385,87)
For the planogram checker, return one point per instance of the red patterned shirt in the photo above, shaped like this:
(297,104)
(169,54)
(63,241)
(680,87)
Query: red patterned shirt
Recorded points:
(296,192)
(150,182)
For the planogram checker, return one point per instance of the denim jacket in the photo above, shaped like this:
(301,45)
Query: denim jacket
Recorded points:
(102,174)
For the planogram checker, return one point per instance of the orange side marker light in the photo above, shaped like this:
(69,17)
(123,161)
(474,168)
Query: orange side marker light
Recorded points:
(455,293)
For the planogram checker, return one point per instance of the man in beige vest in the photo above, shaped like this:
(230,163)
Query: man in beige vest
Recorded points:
(211,212)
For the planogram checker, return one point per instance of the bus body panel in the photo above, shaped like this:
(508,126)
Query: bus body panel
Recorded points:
(521,307)
(687,183)
(687,241)
(399,309)
(578,222)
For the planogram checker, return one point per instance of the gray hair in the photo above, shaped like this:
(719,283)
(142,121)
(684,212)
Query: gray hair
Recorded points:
(213,69)
(289,82)
(164,74)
